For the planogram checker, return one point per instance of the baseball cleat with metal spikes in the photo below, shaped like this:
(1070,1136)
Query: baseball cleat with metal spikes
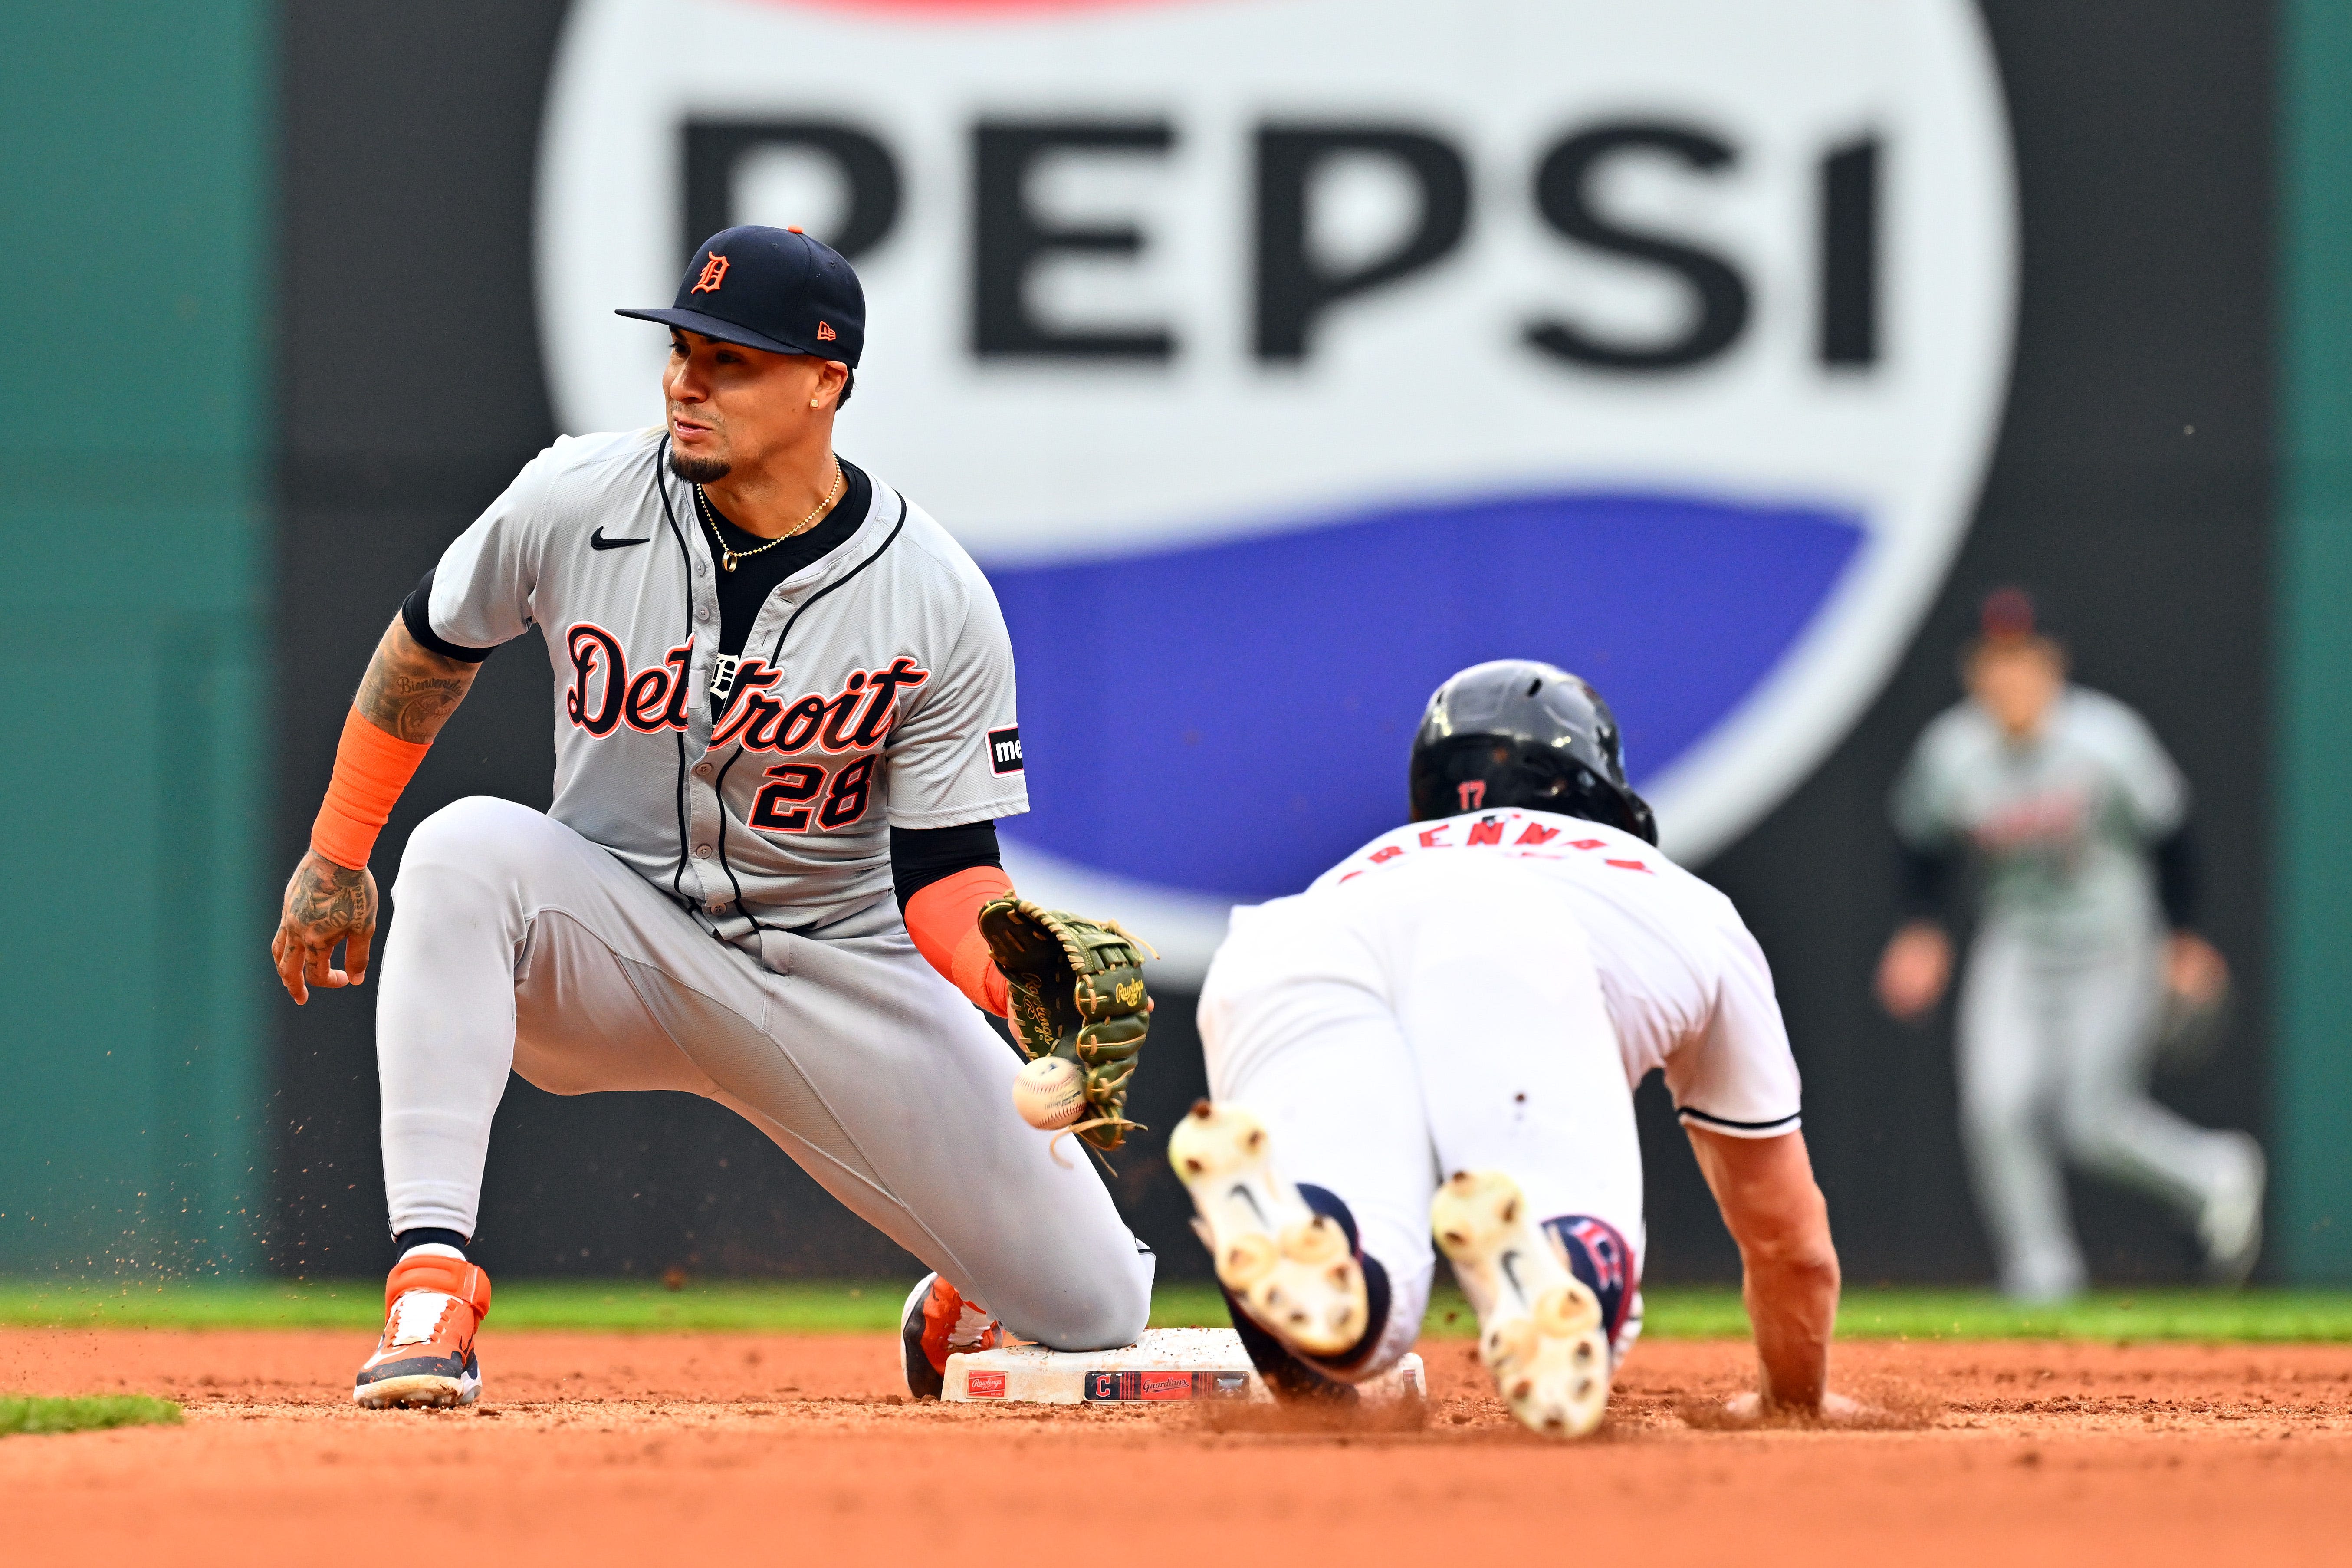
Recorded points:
(1540,1328)
(1292,1269)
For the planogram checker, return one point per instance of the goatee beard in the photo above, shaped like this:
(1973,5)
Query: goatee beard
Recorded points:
(699,471)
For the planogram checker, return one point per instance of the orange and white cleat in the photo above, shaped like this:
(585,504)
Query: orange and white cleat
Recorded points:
(936,1323)
(432,1306)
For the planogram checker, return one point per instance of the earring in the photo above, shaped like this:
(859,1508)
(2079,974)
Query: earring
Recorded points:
(811,402)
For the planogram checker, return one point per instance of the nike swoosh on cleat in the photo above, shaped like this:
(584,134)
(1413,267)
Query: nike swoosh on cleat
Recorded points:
(597,540)
(1242,1192)
(1509,1263)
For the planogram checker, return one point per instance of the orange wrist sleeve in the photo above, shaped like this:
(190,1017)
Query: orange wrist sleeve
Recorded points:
(944,921)
(370,770)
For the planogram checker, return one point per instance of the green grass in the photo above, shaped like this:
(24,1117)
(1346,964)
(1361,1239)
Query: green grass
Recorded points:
(22,1414)
(590,1305)
(834,1306)
(2268,1315)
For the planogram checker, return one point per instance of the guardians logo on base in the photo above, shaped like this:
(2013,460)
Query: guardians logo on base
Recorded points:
(1102,1386)
(1277,359)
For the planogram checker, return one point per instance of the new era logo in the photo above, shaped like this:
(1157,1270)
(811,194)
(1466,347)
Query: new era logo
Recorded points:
(825,332)
(1004,750)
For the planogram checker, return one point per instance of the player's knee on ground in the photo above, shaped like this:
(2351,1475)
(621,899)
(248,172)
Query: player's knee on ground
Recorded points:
(1102,1310)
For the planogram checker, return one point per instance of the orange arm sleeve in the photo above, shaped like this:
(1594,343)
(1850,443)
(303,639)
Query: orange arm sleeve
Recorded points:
(370,770)
(944,921)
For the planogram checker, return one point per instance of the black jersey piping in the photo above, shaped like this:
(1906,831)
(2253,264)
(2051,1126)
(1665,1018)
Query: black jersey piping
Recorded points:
(1702,1116)
(777,653)
(678,792)
(775,661)
(718,787)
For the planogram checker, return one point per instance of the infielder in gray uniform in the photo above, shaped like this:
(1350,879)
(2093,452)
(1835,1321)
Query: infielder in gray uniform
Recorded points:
(2078,822)
(782,695)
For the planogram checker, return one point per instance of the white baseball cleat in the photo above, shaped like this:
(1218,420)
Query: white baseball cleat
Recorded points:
(1540,1327)
(1291,1268)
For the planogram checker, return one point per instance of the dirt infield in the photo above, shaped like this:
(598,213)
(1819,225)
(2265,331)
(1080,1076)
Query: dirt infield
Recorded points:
(669,1448)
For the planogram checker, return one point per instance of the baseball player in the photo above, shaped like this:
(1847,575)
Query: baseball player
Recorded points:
(784,726)
(1443,1033)
(2078,823)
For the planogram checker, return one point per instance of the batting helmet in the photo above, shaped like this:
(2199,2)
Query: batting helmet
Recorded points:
(1517,732)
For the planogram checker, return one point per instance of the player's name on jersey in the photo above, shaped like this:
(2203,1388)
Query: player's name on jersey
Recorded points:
(1502,830)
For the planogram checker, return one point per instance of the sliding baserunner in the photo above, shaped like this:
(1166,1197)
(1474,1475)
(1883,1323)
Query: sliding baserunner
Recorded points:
(1443,1033)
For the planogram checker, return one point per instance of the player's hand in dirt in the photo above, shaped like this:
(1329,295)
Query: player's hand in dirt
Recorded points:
(326,904)
(1913,970)
(2195,970)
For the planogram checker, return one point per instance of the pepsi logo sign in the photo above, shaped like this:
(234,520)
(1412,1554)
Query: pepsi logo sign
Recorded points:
(1279,357)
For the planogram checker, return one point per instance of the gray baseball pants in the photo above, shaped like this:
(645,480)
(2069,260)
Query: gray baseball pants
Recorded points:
(2055,1048)
(519,944)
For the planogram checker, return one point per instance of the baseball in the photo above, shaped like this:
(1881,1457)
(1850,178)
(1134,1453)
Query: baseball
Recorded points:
(1048,1092)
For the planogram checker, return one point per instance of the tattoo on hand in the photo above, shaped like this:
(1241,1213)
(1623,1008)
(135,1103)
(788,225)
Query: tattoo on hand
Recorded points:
(325,897)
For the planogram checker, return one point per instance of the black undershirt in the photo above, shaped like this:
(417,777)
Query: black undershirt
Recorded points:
(744,591)
(919,857)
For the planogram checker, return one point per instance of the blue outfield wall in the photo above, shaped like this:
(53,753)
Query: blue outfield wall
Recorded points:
(134,199)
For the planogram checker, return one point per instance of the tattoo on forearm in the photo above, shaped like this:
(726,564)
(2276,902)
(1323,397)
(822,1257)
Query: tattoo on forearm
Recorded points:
(324,896)
(408,691)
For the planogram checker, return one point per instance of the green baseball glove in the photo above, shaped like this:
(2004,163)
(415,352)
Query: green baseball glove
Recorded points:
(1076,992)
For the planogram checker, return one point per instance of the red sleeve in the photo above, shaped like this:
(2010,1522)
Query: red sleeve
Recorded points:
(944,918)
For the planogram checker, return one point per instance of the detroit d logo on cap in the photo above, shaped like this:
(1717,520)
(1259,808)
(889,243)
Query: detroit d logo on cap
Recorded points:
(1663,343)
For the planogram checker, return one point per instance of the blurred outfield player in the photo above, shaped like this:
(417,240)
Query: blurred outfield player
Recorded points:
(782,695)
(2079,823)
(1443,1033)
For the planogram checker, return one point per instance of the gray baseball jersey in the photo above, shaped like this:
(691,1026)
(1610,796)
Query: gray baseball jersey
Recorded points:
(2061,821)
(875,690)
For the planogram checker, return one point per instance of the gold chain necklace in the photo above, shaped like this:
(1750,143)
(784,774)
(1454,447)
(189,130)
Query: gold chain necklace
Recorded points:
(728,555)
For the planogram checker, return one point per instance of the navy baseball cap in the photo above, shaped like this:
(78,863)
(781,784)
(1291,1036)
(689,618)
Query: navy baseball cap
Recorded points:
(773,288)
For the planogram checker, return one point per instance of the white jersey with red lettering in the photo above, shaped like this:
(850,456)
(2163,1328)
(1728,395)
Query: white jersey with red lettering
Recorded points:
(1686,986)
(1482,993)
